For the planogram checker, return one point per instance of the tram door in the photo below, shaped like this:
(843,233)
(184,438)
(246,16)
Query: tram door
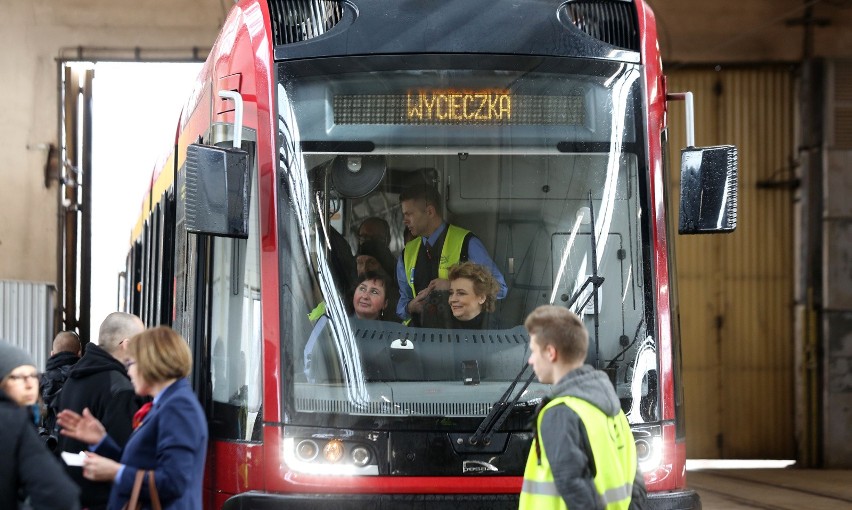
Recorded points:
(218,311)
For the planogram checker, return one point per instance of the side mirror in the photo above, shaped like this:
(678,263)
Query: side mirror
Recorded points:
(708,181)
(215,190)
(708,190)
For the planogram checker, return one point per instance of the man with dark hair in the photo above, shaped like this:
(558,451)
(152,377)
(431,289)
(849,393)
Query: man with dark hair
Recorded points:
(425,261)
(99,382)
(374,256)
(374,229)
(583,454)
(64,355)
(341,260)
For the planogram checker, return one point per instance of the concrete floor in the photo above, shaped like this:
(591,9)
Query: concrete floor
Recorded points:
(771,488)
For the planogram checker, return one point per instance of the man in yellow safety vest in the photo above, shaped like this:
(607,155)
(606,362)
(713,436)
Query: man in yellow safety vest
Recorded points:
(583,455)
(423,267)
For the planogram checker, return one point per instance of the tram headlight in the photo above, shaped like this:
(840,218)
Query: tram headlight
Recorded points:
(649,447)
(360,456)
(333,451)
(654,457)
(643,449)
(328,456)
(307,450)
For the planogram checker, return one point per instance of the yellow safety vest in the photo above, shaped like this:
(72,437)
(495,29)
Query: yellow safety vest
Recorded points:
(614,455)
(450,254)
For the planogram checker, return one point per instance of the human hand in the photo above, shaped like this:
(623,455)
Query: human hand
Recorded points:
(439,284)
(85,428)
(99,469)
(416,304)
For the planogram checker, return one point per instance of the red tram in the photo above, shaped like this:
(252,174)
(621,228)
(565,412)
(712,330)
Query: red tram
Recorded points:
(543,125)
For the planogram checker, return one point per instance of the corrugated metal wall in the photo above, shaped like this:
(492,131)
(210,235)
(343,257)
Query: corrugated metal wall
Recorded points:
(26,317)
(736,290)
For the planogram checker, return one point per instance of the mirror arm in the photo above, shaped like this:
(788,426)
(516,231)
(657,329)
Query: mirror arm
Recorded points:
(690,114)
(238,114)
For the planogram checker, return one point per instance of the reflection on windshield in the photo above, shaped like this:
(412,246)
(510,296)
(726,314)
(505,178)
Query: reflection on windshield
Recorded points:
(315,241)
(531,227)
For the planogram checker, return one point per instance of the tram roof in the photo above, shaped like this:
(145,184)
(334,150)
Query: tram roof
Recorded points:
(606,29)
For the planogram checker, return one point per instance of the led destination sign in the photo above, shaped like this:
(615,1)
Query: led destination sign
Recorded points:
(458,107)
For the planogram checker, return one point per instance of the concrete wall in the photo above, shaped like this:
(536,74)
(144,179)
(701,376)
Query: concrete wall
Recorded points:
(837,306)
(34,34)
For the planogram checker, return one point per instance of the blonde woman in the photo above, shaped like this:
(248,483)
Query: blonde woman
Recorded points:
(473,294)
(171,439)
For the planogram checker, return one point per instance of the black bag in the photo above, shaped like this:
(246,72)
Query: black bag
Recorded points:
(436,310)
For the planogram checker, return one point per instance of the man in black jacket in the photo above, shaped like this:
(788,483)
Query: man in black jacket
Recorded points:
(99,382)
(65,353)
(27,469)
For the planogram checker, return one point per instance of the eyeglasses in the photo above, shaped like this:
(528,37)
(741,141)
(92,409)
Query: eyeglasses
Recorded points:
(24,377)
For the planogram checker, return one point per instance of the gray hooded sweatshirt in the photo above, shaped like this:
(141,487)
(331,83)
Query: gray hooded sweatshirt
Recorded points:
(566,443)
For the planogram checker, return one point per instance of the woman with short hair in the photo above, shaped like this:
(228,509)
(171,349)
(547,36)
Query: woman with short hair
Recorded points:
(372,296)
(473,294)
(170,440)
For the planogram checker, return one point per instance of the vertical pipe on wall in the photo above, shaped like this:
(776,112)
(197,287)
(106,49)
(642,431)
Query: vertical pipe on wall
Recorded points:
(58,316)
(69,204)
(808,289)
(86,220)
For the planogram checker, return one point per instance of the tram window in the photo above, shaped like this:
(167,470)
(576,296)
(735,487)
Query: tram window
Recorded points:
(523,209)
(235,334)
(565,223)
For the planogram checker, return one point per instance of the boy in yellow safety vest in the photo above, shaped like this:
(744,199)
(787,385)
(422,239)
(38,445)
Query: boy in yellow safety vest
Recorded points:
(583,455)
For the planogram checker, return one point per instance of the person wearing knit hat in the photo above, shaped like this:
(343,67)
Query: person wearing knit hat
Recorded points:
(18,375)
(29,471)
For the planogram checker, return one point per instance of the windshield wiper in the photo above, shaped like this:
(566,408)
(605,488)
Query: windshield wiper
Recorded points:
(500,411)
(596,282)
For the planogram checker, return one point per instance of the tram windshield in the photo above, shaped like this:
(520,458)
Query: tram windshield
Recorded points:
(542,161)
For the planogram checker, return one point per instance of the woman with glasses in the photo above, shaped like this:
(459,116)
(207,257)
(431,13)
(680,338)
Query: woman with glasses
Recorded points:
(170,441)
(19,377)
(29,473)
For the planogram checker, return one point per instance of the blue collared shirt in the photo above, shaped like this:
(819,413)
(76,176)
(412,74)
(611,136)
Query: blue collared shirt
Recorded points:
(476,253)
